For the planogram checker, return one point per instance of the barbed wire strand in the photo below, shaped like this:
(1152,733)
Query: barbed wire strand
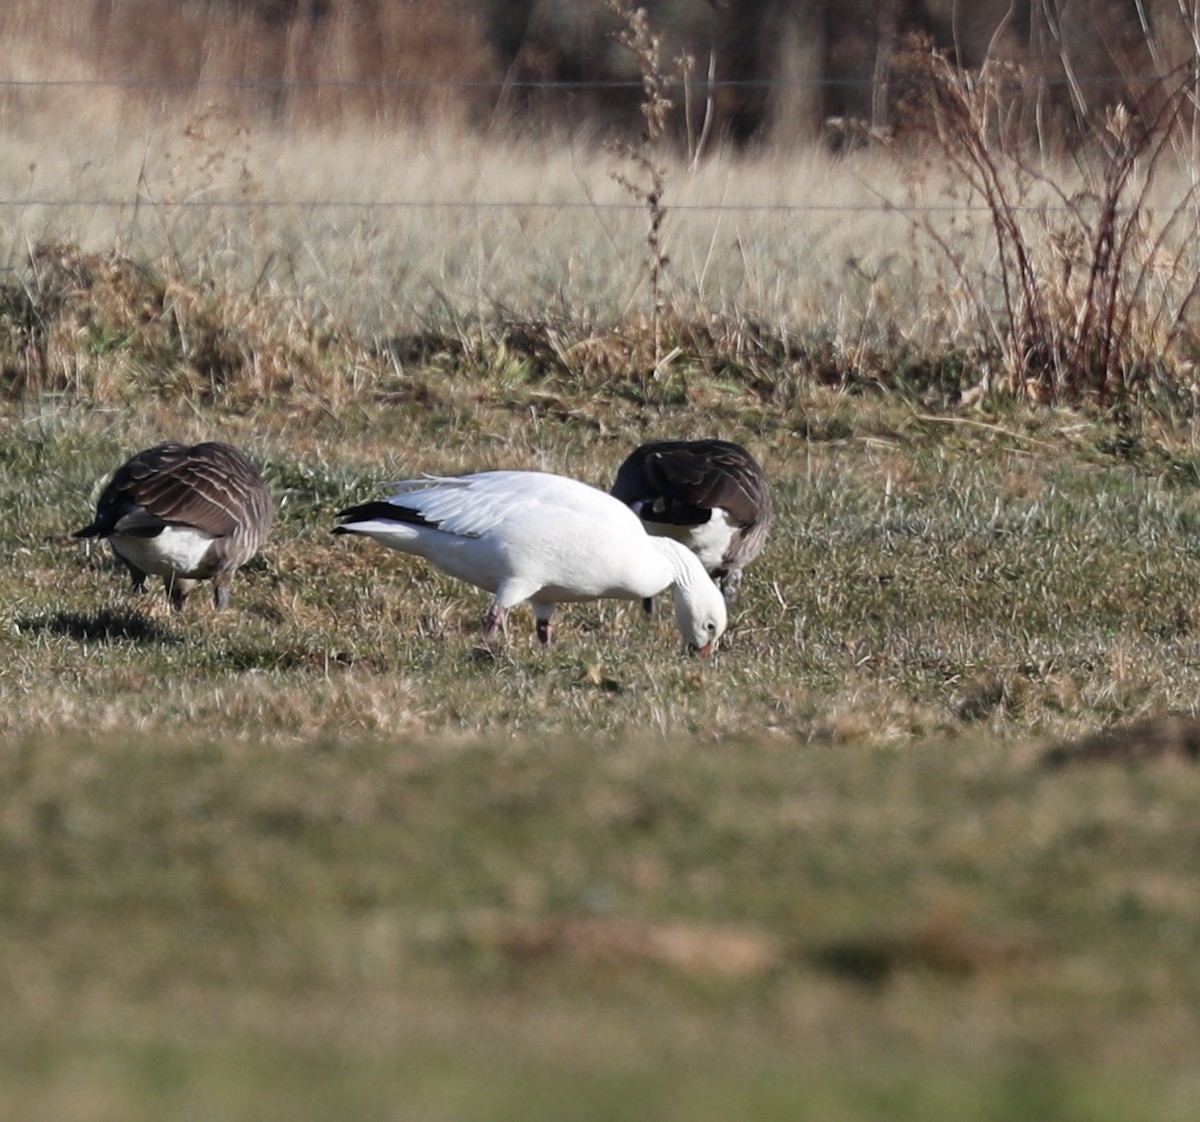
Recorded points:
(508,204)
(535,84)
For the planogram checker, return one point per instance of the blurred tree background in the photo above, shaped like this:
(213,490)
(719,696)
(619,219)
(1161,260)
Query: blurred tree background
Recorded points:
(761,71)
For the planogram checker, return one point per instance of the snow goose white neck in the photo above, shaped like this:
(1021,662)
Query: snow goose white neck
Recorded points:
(526,535)
(184,513)
(711,495)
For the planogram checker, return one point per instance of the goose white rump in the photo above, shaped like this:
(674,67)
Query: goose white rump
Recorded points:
(176,551)
(526,535)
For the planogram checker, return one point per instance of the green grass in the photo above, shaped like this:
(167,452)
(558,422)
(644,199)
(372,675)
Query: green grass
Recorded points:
(584,929)
(309,858)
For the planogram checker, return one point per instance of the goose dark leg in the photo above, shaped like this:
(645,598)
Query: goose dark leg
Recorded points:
(177,591)
(542,613)
(648,606)
(221,591)
(137,578)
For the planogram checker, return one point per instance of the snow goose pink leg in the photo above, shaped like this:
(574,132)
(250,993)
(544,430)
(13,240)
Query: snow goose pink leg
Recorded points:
(493,625)
(544,538)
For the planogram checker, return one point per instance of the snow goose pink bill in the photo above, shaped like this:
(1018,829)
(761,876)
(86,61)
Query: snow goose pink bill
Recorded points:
(527,535)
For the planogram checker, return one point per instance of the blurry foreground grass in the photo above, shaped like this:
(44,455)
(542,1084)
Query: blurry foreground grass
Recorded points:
(422,929)
(309,859)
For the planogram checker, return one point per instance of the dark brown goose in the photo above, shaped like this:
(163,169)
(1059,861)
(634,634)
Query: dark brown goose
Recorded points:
(184,514)
(711,495)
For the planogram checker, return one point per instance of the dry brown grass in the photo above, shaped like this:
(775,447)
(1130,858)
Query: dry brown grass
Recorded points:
(850,269)
(271,235)
(1090,296)
(500,233)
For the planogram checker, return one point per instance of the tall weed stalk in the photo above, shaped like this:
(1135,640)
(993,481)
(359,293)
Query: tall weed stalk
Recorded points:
(1092,288)
(646,181)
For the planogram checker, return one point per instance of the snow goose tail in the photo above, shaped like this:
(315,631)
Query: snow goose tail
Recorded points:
(527,535)
(711,495)
(184,513)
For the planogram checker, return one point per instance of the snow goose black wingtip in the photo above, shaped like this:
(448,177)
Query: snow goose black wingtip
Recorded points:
(710,494)
(526,535)
(378,511)
(185,513)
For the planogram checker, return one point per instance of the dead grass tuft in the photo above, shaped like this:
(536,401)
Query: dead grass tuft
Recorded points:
(109,329)
(592,942)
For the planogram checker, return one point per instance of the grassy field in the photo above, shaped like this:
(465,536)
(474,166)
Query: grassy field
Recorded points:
(310,859)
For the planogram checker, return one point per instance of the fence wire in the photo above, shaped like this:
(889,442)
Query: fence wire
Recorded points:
(882,207)
(502,84)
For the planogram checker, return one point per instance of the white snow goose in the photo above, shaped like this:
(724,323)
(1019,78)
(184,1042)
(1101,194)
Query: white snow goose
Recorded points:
(711,495)
(184,514)
(527,535)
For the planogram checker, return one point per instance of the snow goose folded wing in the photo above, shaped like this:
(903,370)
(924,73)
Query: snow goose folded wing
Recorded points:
(184,513)
(711,495)
(527,535)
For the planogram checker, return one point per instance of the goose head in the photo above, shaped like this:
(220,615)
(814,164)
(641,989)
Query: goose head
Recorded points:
(700,613)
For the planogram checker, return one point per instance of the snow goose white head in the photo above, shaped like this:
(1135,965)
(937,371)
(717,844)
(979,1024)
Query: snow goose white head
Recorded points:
(527,535)
(711,495)
(184,514)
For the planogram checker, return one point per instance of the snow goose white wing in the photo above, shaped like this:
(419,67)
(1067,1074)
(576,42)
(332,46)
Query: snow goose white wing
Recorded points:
(525,535)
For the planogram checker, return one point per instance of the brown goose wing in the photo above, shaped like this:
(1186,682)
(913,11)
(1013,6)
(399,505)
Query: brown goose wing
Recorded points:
(211,487)
(218,490)
(680,482)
